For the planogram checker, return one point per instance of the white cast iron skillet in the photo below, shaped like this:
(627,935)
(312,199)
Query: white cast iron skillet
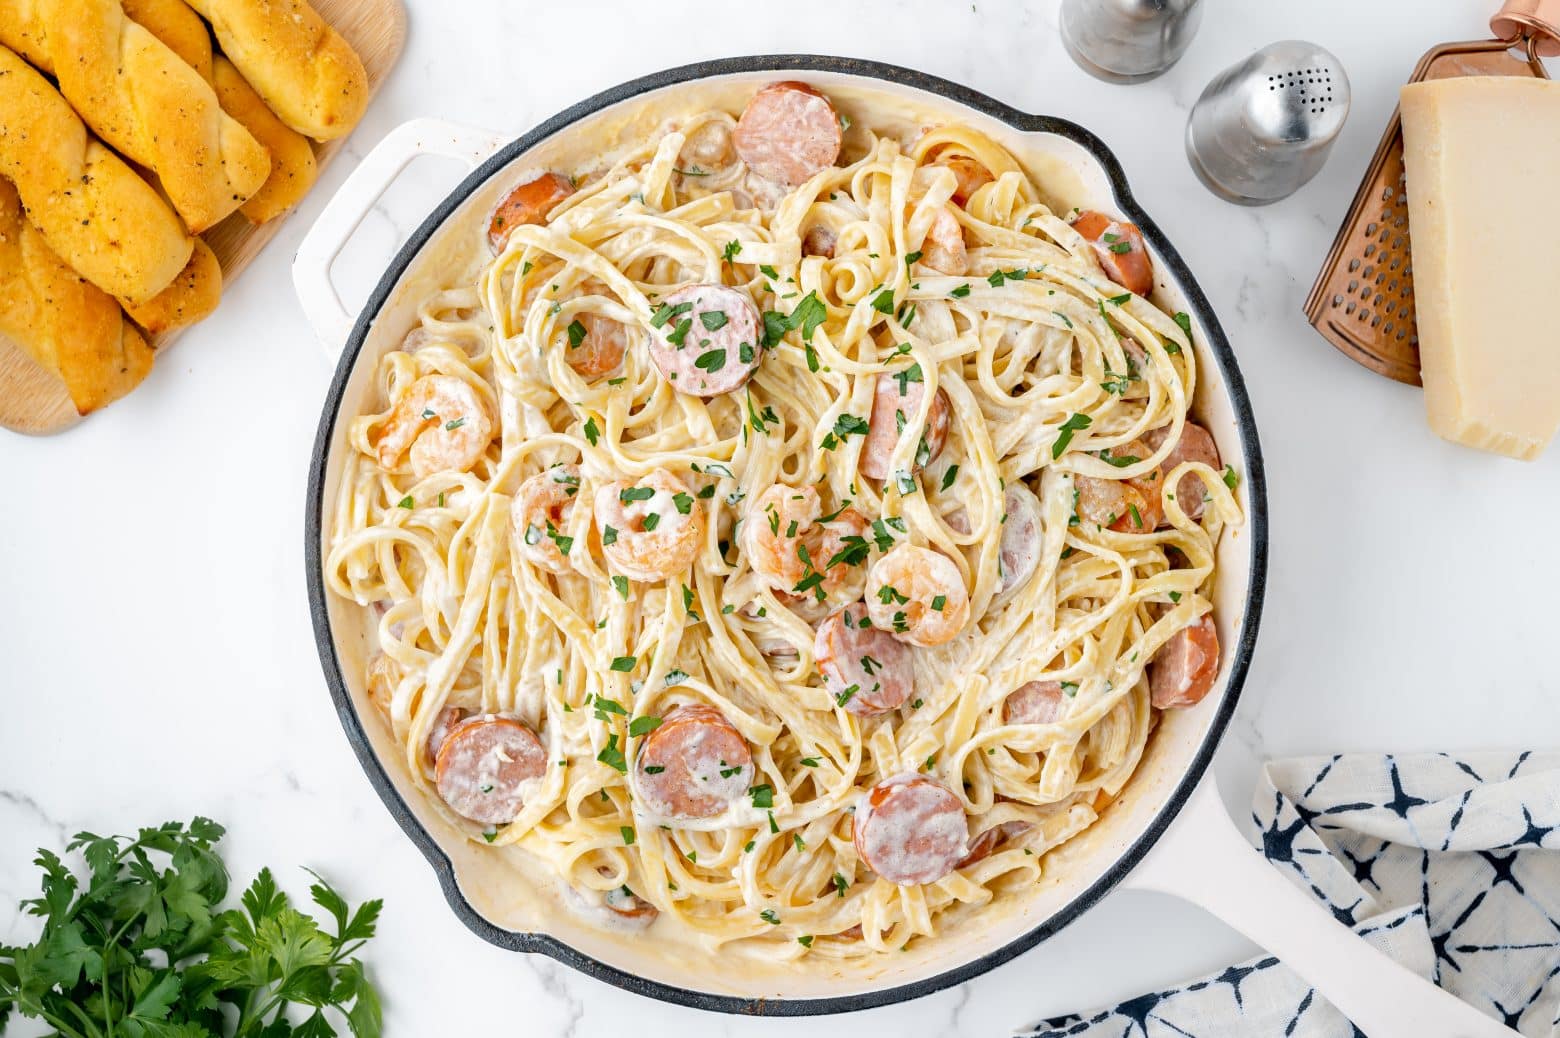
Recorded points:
(504,898)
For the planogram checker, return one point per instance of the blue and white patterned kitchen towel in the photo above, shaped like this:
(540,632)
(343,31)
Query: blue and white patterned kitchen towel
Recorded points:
(1451,865)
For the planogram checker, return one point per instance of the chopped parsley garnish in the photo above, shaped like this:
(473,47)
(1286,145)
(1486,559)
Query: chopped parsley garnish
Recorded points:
(805,940)
(405,502)
(768,916)
(621,583)
(612,756)
(883,302)
(713,320)
(1121,248)
(1230,479)
(592,434)
(711,360)
(1121,461)
(456,424)
(576,334)
(939,601)
(809,762)
(850,425)
(911,259)
(628,495)
(960,292)
(1078,421)
(1070,688)
(911,374)
(643,726)
(1121,300)
(949,476)
(624,664)
(1175,597)
(763,796)
(666,311)
(732,248)
(608,535)
(846,696)
(840,884)
(652,521)
(628,835)
(679,335)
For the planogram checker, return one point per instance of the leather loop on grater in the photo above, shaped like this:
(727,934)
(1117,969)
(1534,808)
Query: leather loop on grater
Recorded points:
(1363,299)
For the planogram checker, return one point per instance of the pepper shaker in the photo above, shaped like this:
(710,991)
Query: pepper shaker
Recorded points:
(1128,41)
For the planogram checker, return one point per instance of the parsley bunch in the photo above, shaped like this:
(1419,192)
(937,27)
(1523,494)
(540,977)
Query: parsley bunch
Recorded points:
(144,949)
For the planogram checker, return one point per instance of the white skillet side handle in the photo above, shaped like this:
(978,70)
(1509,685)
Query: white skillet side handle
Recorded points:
(1204,859)
(331,320)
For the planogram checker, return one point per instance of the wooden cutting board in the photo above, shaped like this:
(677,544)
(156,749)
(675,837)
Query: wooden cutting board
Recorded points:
(33,400)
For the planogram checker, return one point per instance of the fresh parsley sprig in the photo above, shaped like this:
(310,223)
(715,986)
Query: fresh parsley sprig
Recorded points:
(144,949)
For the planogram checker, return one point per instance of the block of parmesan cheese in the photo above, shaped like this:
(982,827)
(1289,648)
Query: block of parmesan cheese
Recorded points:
(1483,162)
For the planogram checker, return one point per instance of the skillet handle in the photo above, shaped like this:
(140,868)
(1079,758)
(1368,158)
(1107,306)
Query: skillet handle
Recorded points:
(357,196)
(1204,859)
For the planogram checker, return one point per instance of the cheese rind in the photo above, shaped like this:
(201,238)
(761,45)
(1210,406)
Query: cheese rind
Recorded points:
(1482,155)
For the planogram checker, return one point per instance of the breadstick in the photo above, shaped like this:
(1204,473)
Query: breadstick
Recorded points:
(189,298)
(95,212)
(292,156)
(309,76)
(144,101)
(68,325)
(173,22)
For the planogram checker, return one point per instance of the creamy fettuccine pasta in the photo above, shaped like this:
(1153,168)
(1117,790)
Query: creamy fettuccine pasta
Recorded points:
(792,534)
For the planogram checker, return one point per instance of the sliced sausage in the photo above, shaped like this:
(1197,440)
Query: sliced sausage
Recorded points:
(1019,552)
(448,718)
(870,669)
(982,846)
(694,765)
(911,829)
(1034,702)
(943,248)
(788,133)
(819,241)
(528,203)
(895,401)
(1195,444)
(708,339)
(1120,249)
(485,767)
(629,906)
(1183,669)
(970,174)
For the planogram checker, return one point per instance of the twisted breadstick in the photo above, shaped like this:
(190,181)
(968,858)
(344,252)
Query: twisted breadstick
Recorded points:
(188,298)
(95,212)
(309,76)
(66,324)
(173,22)
(142,99)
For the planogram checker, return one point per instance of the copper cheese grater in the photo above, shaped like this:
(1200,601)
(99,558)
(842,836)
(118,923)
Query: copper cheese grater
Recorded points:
(1363,299)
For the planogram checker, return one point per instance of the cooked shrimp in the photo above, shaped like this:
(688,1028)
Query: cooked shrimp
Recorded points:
(788,543)
(596,342)
(651,527)
(442,420)
(1133,505)
(918,595)
(943,248)
(540,514)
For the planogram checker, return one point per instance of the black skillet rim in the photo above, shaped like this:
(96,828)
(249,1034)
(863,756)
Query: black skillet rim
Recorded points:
(1256,490)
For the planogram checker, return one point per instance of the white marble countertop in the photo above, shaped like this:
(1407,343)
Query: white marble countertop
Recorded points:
(160,657)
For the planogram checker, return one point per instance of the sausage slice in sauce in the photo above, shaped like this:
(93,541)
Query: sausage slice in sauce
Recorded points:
(982,846)
(694,765)
(528,203)
(911,829)
(1195,444)
(895,401)
(1019,552)
(708,339)
(869,669)
(484,767)
(1182,671)
(1034,702)
(788,133)
(1120,249)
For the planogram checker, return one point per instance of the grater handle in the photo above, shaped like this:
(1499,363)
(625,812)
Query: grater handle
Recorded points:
(1537,19)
